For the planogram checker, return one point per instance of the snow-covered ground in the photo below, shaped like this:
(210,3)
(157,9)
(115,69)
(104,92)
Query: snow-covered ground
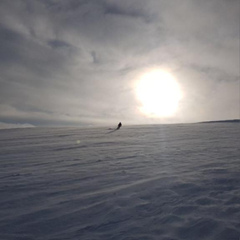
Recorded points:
(157,182)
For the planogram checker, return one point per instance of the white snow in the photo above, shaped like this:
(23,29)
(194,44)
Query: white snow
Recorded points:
(162,182)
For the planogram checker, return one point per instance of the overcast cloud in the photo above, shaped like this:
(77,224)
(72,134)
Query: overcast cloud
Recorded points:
(75,62)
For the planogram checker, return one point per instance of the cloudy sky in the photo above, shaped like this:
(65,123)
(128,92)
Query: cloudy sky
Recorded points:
(78,62)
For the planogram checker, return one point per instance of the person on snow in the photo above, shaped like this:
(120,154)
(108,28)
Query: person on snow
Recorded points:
(119,125)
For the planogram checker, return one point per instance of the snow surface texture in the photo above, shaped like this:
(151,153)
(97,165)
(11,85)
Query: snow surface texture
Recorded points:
(145,182)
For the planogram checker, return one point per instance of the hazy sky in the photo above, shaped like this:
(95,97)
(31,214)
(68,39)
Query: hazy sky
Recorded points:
(76,62)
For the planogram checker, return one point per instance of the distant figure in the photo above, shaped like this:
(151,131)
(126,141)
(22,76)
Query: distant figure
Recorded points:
(119,125)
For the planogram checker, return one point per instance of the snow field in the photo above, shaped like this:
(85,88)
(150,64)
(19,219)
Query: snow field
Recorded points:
(140,182)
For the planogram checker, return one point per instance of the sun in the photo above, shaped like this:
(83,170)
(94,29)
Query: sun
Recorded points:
(158,93)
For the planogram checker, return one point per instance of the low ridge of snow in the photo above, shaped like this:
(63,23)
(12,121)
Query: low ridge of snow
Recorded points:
(167,182)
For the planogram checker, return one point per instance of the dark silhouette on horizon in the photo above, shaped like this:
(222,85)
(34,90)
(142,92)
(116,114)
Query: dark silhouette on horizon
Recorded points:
(223,121)
(113,130)
(119,125)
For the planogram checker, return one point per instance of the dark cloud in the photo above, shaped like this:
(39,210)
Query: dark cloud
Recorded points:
(58,44)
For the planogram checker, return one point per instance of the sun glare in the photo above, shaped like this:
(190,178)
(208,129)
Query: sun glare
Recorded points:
(158,93)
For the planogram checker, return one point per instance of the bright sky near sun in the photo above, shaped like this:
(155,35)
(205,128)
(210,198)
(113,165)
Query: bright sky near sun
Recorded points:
(81,63)
(159,94)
